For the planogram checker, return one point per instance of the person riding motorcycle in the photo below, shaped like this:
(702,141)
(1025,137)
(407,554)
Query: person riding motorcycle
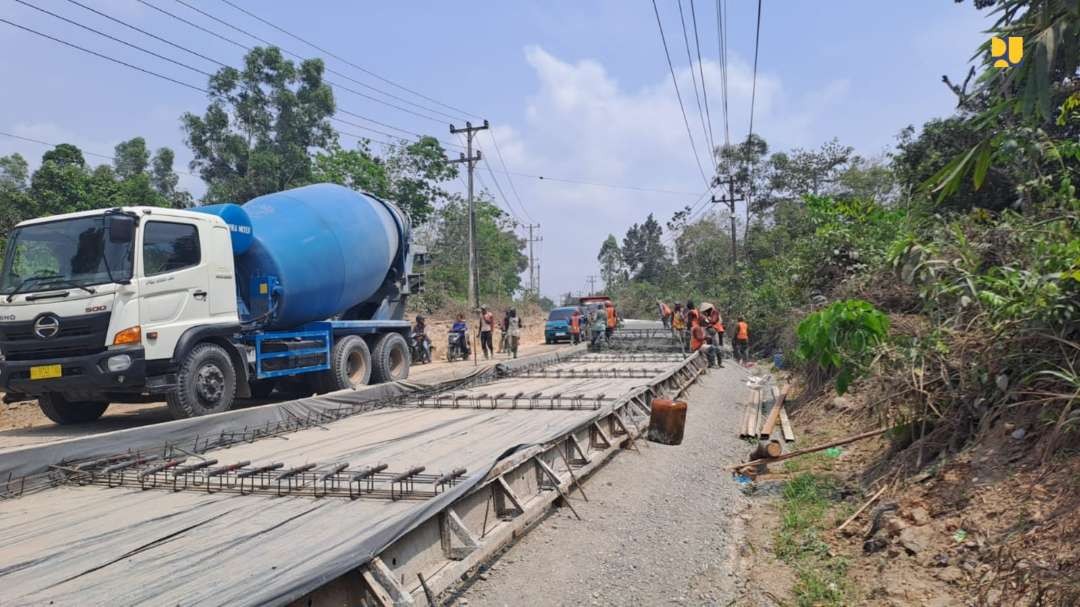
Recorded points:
(460,329)
(421,341)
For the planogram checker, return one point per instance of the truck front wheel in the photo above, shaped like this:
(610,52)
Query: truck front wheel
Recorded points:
(63,412)
(205,383)
(391,358)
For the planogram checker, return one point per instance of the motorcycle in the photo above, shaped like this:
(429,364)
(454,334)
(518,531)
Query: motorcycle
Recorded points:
(456,347)
(420,348)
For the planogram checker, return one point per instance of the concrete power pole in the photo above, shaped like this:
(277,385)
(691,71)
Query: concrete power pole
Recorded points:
(591,279)
(534,266)
(470,161)
(729,200)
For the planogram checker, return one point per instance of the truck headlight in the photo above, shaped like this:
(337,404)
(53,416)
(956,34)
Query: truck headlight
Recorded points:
(120,362)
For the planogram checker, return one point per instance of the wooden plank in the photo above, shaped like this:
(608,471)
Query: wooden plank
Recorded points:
(509,493)
(599,431)
(385,577)
(785,426)
(377,590)
(774,414)
(555,481)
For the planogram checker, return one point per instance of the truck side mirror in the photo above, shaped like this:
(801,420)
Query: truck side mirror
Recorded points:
(121,228)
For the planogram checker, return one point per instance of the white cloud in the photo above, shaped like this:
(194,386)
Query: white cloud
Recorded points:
(581,124)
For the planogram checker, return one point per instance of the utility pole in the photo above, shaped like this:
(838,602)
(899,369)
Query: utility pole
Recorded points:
(729,200)
(470,160)
(591,279)
(534,267)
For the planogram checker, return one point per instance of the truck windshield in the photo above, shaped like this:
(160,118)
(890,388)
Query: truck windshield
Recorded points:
(67,252)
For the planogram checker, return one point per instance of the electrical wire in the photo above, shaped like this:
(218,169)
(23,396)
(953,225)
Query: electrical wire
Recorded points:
(693,75)
(721,33)
(329,70)
(678,95)
(106,57)
(84,152)
(115,39)
(347,62)
(701,72)
(509,177)
(753,89)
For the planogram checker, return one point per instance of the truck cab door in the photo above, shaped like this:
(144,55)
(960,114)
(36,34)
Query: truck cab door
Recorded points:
(173,282)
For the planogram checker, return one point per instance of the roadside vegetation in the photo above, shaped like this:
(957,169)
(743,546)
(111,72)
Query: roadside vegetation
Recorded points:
(939,285)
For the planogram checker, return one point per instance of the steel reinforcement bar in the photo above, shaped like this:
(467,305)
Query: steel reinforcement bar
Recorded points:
(516,493)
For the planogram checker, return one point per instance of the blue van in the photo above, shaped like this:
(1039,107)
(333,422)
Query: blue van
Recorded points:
(558,325)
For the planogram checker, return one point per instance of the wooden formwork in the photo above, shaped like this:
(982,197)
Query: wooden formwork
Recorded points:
(516,493)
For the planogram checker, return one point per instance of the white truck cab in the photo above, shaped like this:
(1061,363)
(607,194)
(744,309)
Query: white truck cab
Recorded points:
(96,306)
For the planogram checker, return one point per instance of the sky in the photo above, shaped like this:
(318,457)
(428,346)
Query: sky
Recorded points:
(576,91)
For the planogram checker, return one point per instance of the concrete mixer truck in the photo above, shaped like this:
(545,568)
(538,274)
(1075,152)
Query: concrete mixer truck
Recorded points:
(199,307)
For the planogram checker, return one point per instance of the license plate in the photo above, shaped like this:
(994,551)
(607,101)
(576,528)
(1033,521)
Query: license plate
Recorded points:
(560,335)
(46,372)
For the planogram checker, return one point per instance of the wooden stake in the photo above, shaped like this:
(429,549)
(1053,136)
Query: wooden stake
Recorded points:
(785,426)
(863,507)
(836,443)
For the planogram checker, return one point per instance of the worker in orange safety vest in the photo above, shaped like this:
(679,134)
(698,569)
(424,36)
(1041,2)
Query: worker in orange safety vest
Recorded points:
(575,327)
(741,343)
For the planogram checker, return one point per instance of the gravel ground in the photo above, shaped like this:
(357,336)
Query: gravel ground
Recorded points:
(661,526)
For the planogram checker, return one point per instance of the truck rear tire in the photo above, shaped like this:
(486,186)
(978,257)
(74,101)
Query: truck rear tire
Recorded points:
(350,365)
(63,412)
(205,383)
(391,359)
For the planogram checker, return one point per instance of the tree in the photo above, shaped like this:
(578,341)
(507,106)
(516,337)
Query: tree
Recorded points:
(415,171)
(262,123)
(164,179)
(611,262)
(131,158)
(501,251)
(14,200)
(65,154)
(14,172)
(358,169)
(644,254)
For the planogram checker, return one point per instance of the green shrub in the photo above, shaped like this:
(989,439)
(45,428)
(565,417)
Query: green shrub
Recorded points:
(841,338)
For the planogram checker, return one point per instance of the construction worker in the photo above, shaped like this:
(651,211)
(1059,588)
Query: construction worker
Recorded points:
(665,314)
(513,331)
(678,322)
(699,342)
(693,317)
(741,343)
(714,328)
(575,327)
(504,326)
(612,320)
(599,325)
(487,326)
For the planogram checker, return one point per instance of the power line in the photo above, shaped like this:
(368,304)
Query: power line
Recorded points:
(674,80)
(106,57)
(328,69)
(346,61)
(701,72)
(509,178)
(84,152)
(144,32)
(247,48)
(220,63)
(115,39)
(721,32)
(693,76)
(506,201)
(601,185)
(753,89)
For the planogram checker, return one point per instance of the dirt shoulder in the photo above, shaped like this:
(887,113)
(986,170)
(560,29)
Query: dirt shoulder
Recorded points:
(661,525)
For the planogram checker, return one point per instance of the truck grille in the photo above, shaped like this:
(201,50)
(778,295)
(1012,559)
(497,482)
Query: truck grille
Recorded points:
(78,336)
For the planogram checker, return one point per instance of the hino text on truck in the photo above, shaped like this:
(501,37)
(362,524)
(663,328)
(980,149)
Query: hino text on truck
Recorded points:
(201,306)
